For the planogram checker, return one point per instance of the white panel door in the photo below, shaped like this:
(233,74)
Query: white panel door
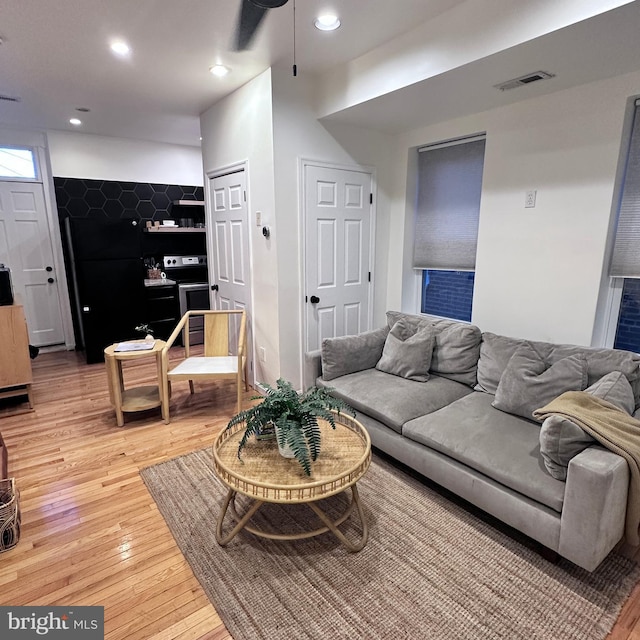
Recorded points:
(337,247)
(230,276)
(25,247)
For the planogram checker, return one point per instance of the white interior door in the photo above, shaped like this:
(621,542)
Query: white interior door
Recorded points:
(25,247)
(338,214)
(231,272)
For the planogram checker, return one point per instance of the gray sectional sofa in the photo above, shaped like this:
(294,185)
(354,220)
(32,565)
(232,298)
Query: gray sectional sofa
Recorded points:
(455,405)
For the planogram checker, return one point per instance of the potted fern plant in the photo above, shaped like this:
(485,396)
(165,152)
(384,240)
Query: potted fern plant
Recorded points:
(295,417)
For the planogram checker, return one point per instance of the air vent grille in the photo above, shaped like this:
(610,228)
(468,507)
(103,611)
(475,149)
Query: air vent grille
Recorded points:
(522,80)
(7,98)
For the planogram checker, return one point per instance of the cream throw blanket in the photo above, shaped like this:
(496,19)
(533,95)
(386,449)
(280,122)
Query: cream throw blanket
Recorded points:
(612,428)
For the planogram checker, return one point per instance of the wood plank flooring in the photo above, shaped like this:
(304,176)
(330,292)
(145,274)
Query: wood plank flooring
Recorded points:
(92,534)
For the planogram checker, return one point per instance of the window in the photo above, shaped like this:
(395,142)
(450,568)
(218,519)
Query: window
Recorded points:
(625,264)
(17,163)
(446,225)
(447,293)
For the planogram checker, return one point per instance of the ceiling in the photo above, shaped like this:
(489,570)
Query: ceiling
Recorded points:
(600,47)
(57,60)
(55,57)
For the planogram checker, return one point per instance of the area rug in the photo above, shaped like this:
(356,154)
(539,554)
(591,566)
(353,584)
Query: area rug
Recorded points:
(431,569)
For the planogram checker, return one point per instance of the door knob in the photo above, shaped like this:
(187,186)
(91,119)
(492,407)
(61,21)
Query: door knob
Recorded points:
(314,299)
(49,269)
(50,280)
(214,287)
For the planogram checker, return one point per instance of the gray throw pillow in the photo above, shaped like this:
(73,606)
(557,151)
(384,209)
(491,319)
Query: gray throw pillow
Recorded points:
(616,389)
(529,383)
(348,354)
(407,351)
(561,439)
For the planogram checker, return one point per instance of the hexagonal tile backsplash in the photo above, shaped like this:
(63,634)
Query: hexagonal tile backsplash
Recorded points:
(83,198)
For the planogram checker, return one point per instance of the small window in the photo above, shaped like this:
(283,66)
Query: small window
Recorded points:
(448,293)
(446,225)
(17,163)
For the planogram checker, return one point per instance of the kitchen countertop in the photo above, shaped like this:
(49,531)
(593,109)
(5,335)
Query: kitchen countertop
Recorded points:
(158,282)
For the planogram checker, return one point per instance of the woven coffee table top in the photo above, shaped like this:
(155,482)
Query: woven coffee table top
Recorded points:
(345,455)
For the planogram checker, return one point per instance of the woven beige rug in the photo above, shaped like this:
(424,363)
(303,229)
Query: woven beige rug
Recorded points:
(431,570)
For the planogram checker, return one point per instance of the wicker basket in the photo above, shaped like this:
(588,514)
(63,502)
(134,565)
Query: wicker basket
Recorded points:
(9,514)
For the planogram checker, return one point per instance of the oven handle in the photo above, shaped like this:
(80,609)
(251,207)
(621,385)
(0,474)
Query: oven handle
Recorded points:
(188,286)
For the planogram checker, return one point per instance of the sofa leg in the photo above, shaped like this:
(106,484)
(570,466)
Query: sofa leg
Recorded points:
(549,555)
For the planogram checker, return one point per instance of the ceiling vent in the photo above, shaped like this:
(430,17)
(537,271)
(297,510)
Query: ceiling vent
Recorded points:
(522,80)
(9,98)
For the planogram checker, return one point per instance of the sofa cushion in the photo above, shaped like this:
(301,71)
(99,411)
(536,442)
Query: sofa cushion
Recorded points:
(407,351)
(348,354)
(561,439)
(393,400)
(496,351)
(457,345)
(528,383)
(499,445)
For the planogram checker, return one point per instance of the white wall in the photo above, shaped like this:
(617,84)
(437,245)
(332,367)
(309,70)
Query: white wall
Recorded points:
(538,271)
(79,155)
(298,135)
(239,129)
(270,124)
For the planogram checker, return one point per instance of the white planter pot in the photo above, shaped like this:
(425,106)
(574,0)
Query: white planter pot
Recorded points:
(286,451)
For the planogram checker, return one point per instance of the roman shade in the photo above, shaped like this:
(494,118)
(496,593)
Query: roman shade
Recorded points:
(625,262)
(448,204)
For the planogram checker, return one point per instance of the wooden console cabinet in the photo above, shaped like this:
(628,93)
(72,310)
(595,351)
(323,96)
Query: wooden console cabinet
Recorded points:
(15,363)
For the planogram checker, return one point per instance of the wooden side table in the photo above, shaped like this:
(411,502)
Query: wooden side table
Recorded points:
(135,398)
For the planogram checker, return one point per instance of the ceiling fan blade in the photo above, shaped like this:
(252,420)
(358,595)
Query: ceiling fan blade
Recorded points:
(251,15)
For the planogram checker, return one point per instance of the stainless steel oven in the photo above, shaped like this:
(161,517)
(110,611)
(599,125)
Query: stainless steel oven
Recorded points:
(190,272)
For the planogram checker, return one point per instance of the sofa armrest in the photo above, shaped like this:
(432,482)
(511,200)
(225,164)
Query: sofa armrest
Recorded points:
(312,368)
(595,505)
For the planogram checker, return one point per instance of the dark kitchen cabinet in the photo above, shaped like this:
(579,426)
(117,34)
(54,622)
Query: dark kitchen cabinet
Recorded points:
(162,309)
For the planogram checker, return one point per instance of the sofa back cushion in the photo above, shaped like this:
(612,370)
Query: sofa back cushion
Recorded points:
(496,351)
(348,354)
(457,345)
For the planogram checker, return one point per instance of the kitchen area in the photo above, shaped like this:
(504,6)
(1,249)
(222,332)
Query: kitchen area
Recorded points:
(135,254)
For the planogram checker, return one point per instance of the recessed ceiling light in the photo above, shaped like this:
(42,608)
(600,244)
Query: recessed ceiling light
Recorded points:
(120,48)
(327,22)
(75,122)
(219,70)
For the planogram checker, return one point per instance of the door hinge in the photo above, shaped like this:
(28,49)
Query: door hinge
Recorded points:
(369,276)
(306,298)
(371,198)
(245,195)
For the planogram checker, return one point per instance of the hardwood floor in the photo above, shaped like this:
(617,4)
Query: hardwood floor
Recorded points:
(91,533)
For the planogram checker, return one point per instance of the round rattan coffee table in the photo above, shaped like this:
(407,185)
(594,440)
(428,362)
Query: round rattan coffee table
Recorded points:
(265,476)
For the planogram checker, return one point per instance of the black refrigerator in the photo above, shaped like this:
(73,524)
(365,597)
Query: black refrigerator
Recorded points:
(107,275)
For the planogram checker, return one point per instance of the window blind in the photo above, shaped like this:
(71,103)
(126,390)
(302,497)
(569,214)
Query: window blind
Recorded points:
(448,205)
(625,262)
